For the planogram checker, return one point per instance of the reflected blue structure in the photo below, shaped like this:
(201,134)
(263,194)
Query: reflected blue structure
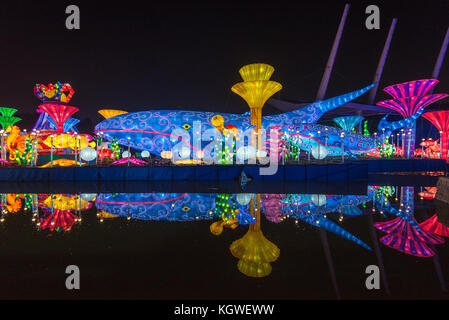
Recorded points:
(304,208)
(157,206)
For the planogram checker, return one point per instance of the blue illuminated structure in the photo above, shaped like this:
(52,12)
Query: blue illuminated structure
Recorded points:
(349,122)
(157,206)
(153,130)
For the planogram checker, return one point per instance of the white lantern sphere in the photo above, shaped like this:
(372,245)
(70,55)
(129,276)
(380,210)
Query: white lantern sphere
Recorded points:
(245,153)
(126,154)
(244,198)
(319,199)
(88,196)
(88,154)
(319,152)
(145,154)
(184,152)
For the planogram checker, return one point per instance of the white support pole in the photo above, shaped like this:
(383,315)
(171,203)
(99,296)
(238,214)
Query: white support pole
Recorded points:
(380,66)
(330,62)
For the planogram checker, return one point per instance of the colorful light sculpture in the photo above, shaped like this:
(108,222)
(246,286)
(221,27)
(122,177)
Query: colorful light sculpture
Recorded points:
(7,119)
(256,89)
(348,123)
(404,237)
(58,220)
(152,130)
(410,98)
(434,226)
(59,113)
(55,97)
(109,113)
(254,251)
(54,92)
(440,119)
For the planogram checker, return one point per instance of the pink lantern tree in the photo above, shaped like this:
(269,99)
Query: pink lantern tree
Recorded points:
(440,119)
(409,98)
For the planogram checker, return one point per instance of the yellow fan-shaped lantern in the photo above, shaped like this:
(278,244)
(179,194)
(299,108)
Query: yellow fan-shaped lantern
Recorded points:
(109,113)
(256,71)
(61,202)
(256,93)
(254,270)
(106,215)
(254,251)
(256,89)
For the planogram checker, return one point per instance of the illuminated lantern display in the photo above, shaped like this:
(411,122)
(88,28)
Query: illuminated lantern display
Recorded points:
(59,113)
(348,123)
(319,199)
(7,119)
(59,220)
(88,154)
(404,237)
(319,152)
(440,119)
(254,251)
(156,206)
(133,161)
(88,196)
(272,207)
(256,89)
(409,99)
(153,130)
(109,113)
(55,98)
(432,225)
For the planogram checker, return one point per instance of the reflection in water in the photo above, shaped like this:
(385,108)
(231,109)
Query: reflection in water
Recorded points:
(255,253)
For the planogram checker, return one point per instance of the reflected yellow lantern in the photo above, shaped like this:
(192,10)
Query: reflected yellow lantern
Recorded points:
(254,251)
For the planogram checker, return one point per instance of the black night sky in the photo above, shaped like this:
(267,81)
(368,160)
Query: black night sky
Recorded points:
(137,55)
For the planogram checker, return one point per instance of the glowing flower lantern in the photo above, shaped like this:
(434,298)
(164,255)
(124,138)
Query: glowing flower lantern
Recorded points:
(254,251)
(409,98)
(256,89)
(59,220)
(109,113)
(55,98)
(404,237)
(59,113)
(348,123)
(7,119)
(434,226)
(440,119)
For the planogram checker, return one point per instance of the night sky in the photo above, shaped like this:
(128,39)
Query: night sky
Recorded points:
(138,55)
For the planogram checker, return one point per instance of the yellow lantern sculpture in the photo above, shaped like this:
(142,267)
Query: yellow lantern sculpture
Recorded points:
(256,89)
(109,113)
(254,251)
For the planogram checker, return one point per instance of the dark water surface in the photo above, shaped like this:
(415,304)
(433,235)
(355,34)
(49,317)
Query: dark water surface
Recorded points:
(160,246)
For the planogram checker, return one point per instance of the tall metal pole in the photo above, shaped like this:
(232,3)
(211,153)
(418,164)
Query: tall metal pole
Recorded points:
(330,62)
(439,62)
(380,66)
